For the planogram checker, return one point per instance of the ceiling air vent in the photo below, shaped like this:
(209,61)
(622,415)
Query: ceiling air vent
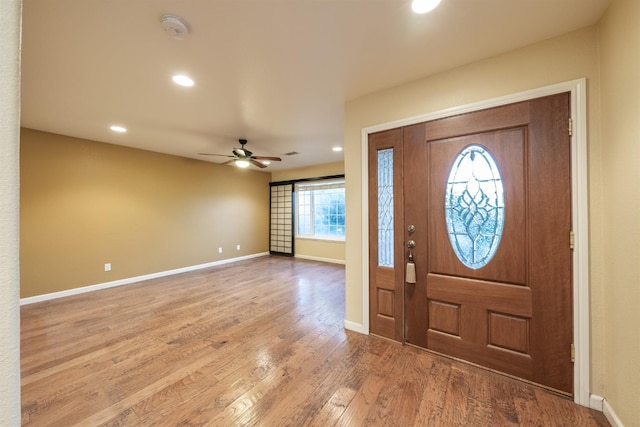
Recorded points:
(291,153)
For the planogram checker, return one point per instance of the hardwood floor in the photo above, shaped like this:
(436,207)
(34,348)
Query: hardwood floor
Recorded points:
(259,342)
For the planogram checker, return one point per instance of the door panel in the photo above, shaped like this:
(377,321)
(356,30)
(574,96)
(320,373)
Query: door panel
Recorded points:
(507,147)
(550,272)
(514,314)
(507,116)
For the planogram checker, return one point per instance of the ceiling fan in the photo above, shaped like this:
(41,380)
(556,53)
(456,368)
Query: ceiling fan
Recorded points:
(243,158)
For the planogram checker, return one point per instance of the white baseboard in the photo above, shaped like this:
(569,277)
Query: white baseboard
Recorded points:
(355,327)
(596,402)
(91,288)
(608,412)
(601,404)
(315,258)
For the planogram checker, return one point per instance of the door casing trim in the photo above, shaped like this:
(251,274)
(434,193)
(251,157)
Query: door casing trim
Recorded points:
(579,208)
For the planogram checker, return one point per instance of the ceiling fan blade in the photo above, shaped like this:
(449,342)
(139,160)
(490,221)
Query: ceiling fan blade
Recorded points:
(257,163)
(228,161)
(210,154)
(275,159)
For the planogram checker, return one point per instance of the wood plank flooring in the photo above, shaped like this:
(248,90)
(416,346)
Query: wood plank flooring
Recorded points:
(254,343)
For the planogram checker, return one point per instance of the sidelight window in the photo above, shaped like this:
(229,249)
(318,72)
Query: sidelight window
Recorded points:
(385,207)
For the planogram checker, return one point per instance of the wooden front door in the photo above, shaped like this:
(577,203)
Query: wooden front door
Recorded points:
(488,194)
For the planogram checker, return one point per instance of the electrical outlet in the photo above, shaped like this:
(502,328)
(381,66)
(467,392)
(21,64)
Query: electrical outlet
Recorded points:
(238,247)
(107,267)
(220,250)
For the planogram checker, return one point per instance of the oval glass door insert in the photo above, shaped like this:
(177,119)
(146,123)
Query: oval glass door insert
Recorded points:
(474,206)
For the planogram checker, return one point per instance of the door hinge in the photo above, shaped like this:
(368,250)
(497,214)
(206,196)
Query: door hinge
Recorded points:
(570,126)
(572,240)
(573,354)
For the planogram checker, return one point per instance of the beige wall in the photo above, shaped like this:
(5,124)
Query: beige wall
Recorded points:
(620,95)
(9,196)
(308,248)
(84,204)
(316,171)
(565,58)
(320,250)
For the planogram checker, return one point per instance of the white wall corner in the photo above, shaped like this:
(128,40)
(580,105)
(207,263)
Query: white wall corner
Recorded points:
(9,211)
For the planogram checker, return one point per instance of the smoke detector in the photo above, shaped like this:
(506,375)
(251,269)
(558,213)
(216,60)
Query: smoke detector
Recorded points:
(174,26)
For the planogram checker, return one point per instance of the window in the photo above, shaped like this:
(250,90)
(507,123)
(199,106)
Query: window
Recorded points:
(474,206)
(385,208)
(320,209)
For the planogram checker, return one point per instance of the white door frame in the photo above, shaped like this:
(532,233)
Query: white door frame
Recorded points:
(579,208)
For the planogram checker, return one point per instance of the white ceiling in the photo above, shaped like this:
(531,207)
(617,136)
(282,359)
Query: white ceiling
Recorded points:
(276,72)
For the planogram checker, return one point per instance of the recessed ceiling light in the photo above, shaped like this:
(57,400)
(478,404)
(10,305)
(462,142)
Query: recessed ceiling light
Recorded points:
(266,162)
(424,6)
(182,80)
(337,148)
(117,128)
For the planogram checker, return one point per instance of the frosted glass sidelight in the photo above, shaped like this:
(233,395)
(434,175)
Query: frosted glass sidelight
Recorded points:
(385,207)
(474,206)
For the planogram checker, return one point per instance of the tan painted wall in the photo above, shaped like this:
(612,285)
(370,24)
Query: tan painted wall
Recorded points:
(323,250)
(569,57)
(315,248)
(620,95)
(84,204)
(9,204)
(325,169)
